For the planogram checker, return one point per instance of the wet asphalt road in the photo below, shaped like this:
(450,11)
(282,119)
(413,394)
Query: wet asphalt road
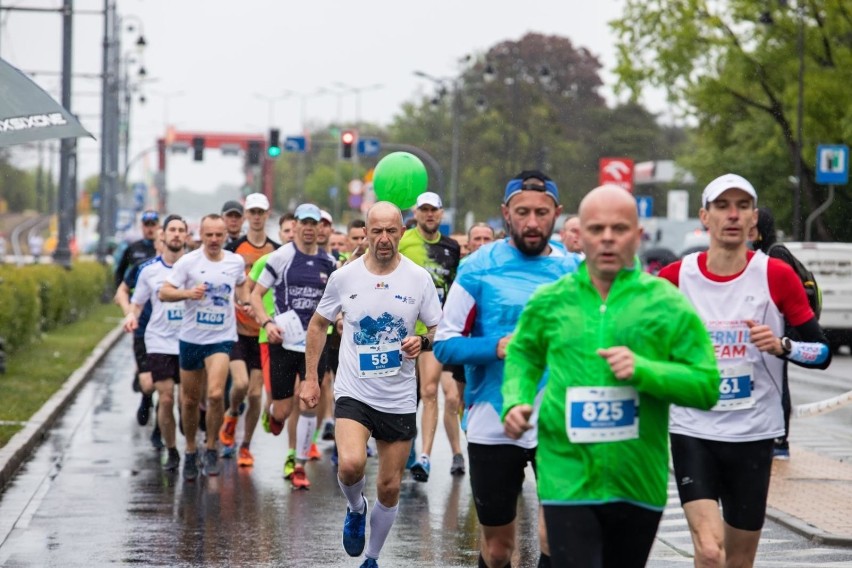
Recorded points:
(94,495)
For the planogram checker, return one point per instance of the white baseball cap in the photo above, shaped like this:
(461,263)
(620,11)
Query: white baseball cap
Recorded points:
(256,201)
(722,184)
(429,198)
(326,216)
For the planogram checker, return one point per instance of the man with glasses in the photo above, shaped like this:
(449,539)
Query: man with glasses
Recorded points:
(245,367)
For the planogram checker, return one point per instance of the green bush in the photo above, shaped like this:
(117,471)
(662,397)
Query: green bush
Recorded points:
(35,299)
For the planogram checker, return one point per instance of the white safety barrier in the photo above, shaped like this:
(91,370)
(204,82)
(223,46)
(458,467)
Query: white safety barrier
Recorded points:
(822,406)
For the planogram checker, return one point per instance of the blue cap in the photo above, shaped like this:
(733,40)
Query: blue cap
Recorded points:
(150,215)
(517,184)
(308,211)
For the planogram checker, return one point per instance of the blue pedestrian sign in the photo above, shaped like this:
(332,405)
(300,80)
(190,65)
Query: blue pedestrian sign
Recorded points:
(295,144)
(369,147)
(832,167)
(645,205)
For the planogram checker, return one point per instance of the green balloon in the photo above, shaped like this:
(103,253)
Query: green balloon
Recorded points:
(399,178)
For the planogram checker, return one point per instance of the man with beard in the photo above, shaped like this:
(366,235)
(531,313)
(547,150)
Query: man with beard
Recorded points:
(440,256)
(480,314)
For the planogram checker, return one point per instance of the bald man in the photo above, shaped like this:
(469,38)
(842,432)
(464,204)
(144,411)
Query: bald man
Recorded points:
(380,296)
(614,339)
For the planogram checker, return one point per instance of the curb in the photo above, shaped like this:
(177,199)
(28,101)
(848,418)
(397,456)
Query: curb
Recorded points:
(814,534)
(22,444)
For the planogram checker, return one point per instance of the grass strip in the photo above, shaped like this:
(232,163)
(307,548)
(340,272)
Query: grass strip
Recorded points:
(34,373)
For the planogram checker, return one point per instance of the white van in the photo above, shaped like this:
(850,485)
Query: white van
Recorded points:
(831,264)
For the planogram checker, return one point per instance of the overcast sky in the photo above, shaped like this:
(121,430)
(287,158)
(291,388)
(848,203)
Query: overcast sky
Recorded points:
(207,61)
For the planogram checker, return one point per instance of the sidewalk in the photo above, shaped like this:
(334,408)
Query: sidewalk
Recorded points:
(812,495)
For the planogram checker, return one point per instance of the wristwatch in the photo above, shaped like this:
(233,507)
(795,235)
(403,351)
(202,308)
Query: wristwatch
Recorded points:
(786,345)
(425,344)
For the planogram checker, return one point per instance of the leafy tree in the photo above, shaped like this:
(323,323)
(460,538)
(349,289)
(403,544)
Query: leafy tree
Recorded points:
(732,67)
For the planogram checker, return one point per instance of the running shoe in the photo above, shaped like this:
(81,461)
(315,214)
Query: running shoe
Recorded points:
(157,438)
(458,465)
(228,429)
(328,431)
(314,453)
(143,413)
(289,464)
(228,452)
(270,424)
(370,563)
(420,470)
(299,479)
(172,460)
(211,463)
(354,530)
(334,457)
(190,466)
(781,453)
(245,458)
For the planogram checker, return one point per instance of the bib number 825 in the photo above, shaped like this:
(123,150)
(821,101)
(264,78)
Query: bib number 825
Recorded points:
(603,411)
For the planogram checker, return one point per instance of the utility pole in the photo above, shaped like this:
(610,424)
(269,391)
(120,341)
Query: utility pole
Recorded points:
(105,211)
(67,206)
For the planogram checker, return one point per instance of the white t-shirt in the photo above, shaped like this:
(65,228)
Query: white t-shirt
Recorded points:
(161,333)
(378,313)
(210,319)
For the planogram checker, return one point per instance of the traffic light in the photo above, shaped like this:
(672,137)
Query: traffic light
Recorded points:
(347,141)
(273,149)
(198,148)
(254,152)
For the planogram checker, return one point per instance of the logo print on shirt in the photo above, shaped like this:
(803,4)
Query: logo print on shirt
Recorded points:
(382,286)
(353,296)
(404,299)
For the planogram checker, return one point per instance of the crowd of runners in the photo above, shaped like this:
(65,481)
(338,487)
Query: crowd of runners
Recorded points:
(559,353)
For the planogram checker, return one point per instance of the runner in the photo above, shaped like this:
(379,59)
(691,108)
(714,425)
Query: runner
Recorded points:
(440,256)
(161,333)
(232,212)
(379,297)
(245,367)
(209,280)
(744,298)
(616,341)
(480,314)
(297,273)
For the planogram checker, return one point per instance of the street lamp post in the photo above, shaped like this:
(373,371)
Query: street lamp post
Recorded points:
(357,90)
(270,101)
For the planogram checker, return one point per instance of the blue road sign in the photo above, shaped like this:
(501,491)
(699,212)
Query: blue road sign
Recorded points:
(295,144)
(369,147)
(832,167)
(645,204)
(140,190)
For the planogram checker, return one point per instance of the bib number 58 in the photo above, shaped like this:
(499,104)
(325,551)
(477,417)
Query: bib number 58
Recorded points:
(379,359)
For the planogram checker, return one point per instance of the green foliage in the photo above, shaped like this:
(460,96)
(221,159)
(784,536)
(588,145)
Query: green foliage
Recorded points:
(35,299)
(732,68)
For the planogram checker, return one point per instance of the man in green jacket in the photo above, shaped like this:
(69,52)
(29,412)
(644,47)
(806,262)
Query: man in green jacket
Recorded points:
(615,341)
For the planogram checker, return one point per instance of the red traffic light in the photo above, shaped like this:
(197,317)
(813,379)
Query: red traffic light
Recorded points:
(347,141)
(348,137)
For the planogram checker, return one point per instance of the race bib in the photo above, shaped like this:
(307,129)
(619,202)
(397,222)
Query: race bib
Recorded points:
(291,326)
(210,319)
(735,392)
(602,414)
(378,360)
(174,315)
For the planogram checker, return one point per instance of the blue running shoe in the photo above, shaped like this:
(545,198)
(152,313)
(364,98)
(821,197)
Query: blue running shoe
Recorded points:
(228,452)
(354,529)
(370,563)
(412,457)
(420,470)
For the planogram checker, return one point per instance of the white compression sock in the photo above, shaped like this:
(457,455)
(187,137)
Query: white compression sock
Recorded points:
(305,435)
(353,494)
(381,521)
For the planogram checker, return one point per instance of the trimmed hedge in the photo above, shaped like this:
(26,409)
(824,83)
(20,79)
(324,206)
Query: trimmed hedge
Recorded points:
(38,298)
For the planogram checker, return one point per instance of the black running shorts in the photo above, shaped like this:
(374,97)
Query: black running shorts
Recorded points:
(247,349)
(164,367)
(284,366)
(496,480)
(733,473)
(384,426)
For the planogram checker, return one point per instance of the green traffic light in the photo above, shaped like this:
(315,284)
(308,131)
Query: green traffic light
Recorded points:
(273,151)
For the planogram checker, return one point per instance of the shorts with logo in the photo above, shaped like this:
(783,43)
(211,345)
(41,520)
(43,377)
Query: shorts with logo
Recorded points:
(284,365)
(496,480)
(164,367)
(384,426)
(140,354)
(735,473)
(192,355)
(247,349)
